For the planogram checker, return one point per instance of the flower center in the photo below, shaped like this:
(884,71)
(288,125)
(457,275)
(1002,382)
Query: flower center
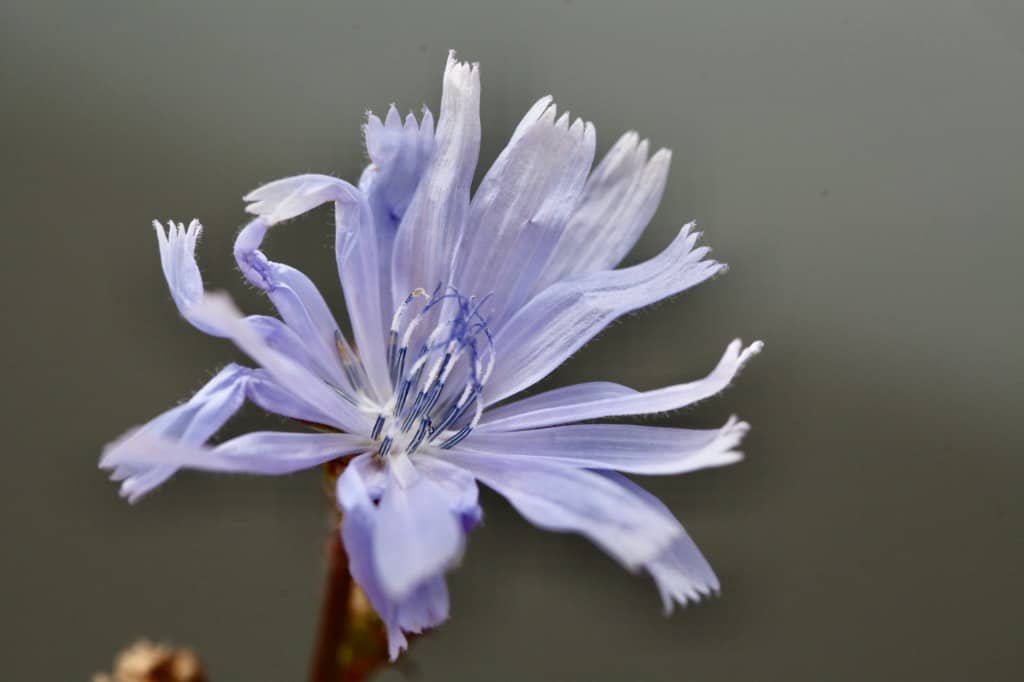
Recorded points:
(440,354)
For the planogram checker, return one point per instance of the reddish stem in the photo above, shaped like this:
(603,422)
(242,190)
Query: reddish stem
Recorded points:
(334,614)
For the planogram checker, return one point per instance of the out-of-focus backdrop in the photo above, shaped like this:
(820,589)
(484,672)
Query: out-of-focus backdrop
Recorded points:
(859,165)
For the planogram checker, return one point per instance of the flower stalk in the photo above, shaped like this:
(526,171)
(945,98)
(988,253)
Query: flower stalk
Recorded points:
(350,639)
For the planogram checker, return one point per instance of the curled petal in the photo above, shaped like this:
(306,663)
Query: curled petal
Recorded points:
(359,265)
(297,298)
(288,198)
(178,261)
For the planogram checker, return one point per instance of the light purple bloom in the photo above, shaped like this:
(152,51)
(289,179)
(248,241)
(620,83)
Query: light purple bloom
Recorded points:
(457,303)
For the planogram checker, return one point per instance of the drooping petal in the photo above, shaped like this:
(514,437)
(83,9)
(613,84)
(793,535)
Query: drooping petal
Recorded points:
(436,216)
(358,260)
(427,604)
(398,157)
(561,498)
(416,536)
(219,312)
(618,202)
(559,320)
(290,197)
(264,452)
(621,447)
(681,572)
(297,300)
(178,261)
(599,400)
(358,520)
(520,209)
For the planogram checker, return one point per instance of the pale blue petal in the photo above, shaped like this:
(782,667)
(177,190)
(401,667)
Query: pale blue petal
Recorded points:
(416,537)
(290,197)
(399,154)
(560,498)
(358,521)
(520,209)
(426,606)
(435,219)
(297,300)
(178,261)
(459,487)
(263,391)
(195,421)
(520,414)
(373,473)
(562,318)
(598,400)
(359,267)
(219,312)
(622,447)
(357,257)
(398,157)
(264,452)
(619,201)
(681,572)
(283,339)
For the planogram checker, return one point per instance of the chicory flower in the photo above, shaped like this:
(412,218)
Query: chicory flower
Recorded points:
(457,303)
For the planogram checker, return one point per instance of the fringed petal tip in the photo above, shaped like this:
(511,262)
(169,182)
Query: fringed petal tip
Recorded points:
(136,480)
(460,70)
(736,354)
(686,596)
(396,141)
(687,241)
(544,112)
(178,260)
(175,231)
(682,575)
(290,197)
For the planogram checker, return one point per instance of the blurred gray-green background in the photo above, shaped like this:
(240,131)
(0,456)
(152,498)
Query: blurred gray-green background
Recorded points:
(858,164)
